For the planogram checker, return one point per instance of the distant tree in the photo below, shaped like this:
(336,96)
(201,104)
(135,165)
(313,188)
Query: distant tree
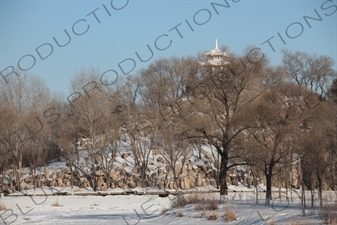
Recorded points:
(23,95)
(333,91)
(317,148)
(219,110)
(277,113)
(311,71)
(96,117)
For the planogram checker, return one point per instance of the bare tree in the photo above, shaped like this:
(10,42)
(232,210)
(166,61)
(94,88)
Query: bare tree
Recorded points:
(221,104)
(96,117)
(24,95)
(318,153)
(311,71)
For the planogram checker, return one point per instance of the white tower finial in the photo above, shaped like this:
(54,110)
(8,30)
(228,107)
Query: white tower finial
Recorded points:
(216,43)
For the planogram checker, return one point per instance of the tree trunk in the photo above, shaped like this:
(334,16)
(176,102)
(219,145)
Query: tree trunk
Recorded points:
(268,193)
(255,185)
(320,196)
(304,204)
(34,181)
(72,178)
(2,183)
(222,176)
(312,198)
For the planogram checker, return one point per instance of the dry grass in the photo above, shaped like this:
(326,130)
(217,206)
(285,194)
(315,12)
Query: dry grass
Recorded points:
(199,207)
(182,200)
(180,214)
(204,214)
(2,207)
(230,215)
(297,222)
(56,204)
(213,205)
(213,216)
(328,214)
(165,211)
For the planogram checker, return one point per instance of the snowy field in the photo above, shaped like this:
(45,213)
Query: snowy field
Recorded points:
(135,209)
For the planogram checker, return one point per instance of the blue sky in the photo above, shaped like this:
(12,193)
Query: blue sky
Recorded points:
(126,27)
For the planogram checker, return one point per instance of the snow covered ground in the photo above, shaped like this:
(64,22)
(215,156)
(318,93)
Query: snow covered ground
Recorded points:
(145,209)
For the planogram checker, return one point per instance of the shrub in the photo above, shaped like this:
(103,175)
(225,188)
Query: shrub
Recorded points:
(2,207)
(230,215)
(296,222)
(328,214)
(204,214)
(199,207)
(56,204)
(213,205)
(182,200)
(213,216)
(164,211)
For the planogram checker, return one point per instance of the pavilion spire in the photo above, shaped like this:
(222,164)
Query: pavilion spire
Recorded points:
(216,43)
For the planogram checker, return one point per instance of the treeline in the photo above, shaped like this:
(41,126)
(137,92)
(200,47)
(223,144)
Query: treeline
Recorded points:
(268,118)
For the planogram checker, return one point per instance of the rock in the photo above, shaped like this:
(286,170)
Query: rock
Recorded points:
(184,171)
(189,166)
(60,174)
(139,183)
(159,159)
(120,183)
(100,182)
(59,181)
(158,181)
(204,168)
(209,156)
(27,180)
(23,185)
(177,169)
(132,184)
(124,164)
(196,169)
(156,152)
(99,173)
(53,176)
(46,183)
(112,172)
(122,173)
(125,155)
(97,158)
(115,177)
(160,186)
(192,173)
(135,170)
(67,171)
(199,180)
(171,185)
(160,171)
(52,183)
(187,182)
(104,187)
(46,172)
(67,182)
